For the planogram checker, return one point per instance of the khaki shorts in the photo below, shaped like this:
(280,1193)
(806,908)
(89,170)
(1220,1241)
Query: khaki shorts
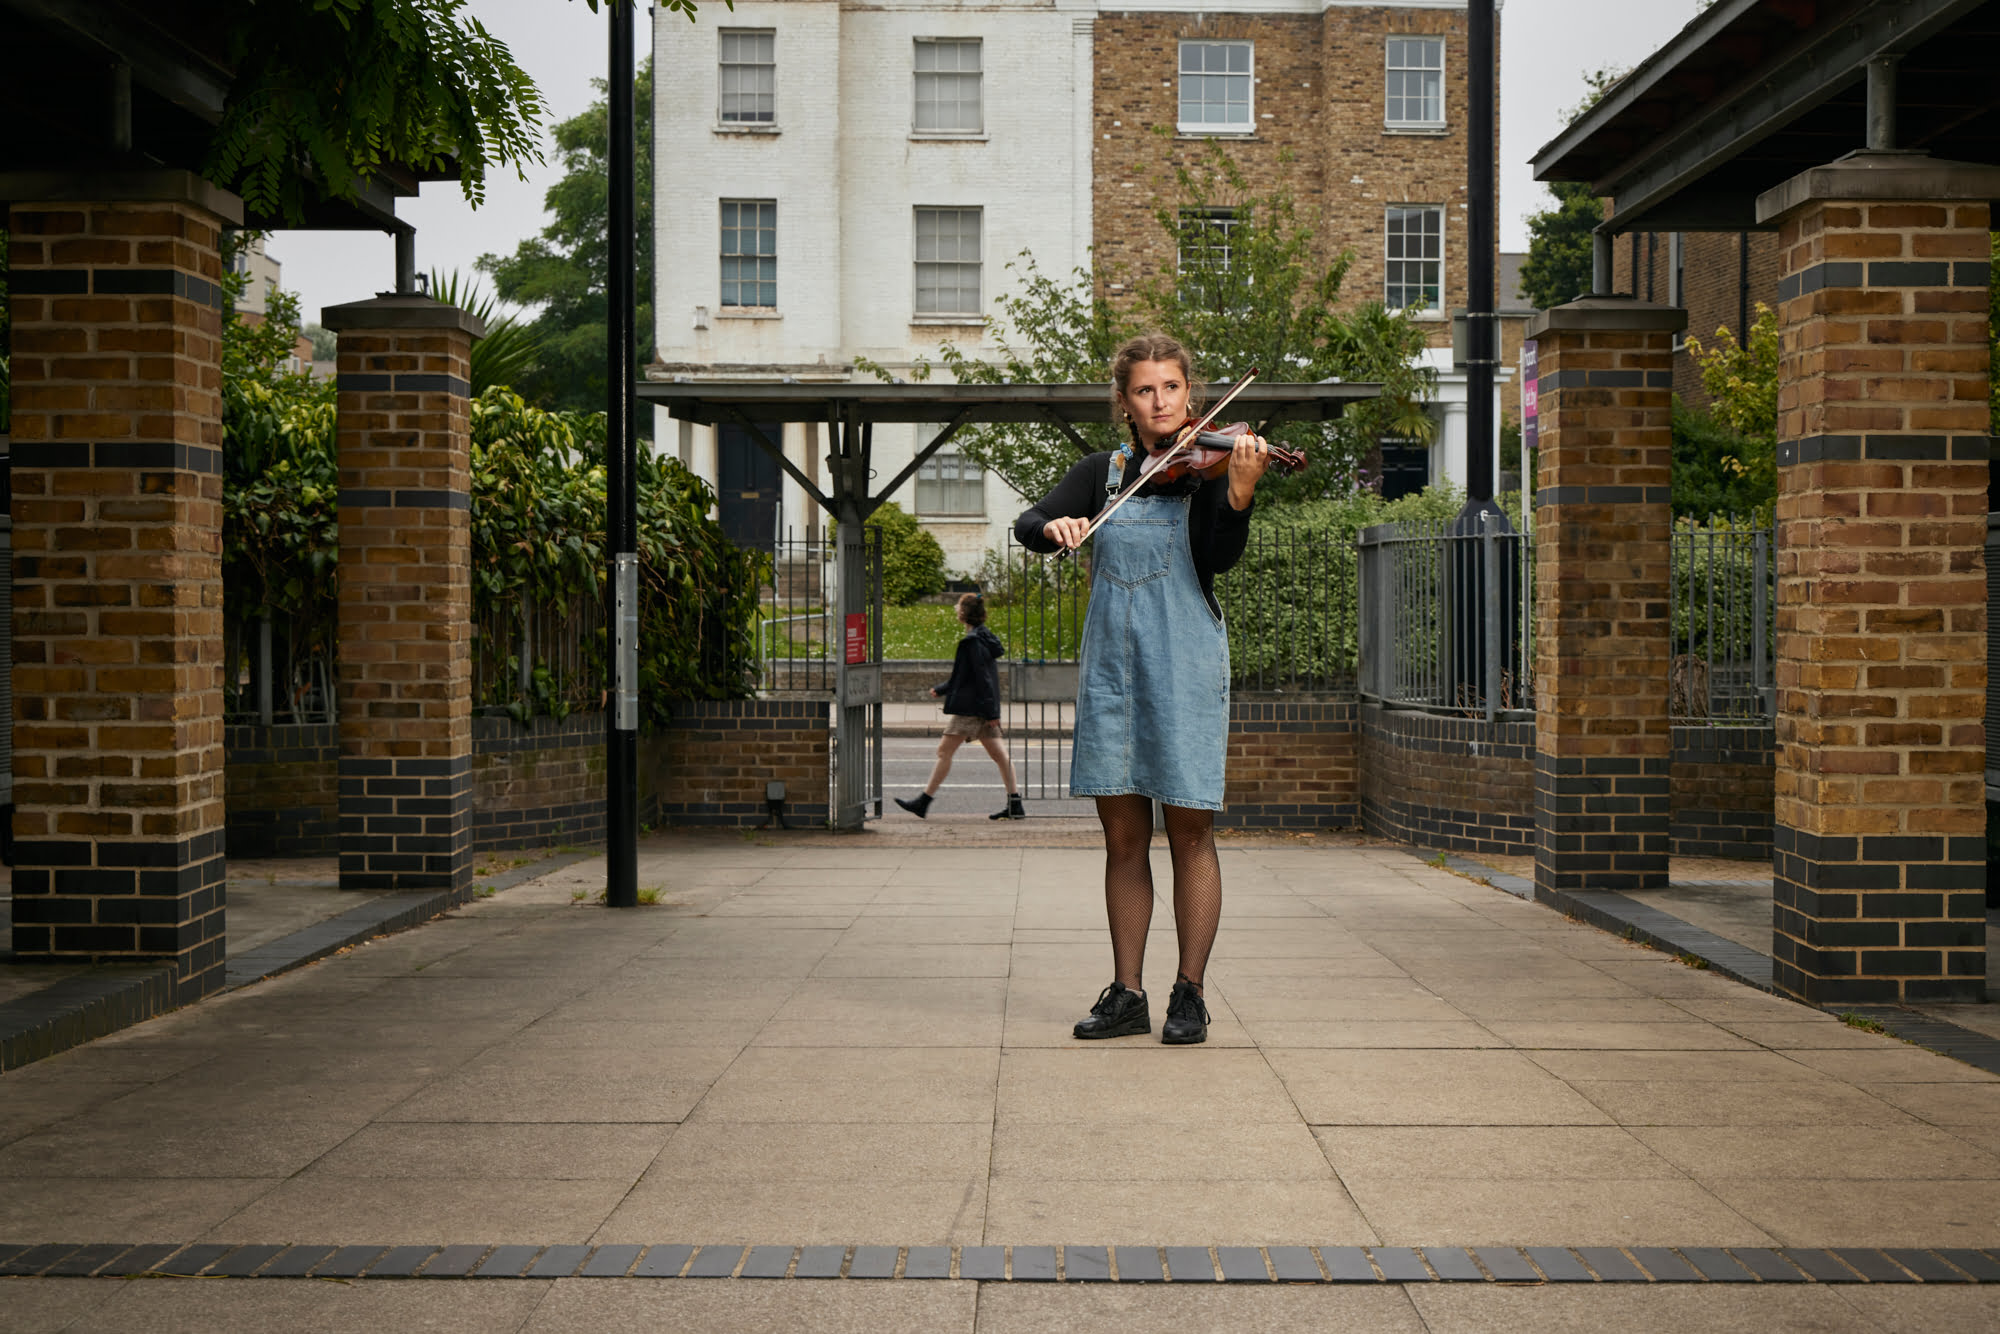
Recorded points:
(971,728)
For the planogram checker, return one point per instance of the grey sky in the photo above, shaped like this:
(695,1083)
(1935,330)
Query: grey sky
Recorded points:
(1545,47)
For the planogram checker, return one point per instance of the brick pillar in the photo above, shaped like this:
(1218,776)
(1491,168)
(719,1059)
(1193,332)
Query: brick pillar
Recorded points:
(1879,838)
(405,669)
(1602,746)
(117,475)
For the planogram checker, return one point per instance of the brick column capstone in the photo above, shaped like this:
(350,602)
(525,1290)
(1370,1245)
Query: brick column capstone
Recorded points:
(1603,750)
(404,675)
(117,624)
(1879,837)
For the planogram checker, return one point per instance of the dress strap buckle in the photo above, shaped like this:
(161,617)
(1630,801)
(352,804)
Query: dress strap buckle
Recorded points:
(1114,480)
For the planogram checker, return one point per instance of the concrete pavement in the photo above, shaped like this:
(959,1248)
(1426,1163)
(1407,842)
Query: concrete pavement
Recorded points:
(864,1041)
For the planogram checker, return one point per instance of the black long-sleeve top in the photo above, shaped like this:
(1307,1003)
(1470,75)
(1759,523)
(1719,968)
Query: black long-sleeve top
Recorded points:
(1217,530)
(973,688)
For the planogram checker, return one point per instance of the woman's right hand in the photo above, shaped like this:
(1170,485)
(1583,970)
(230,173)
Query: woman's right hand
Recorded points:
(1066,532)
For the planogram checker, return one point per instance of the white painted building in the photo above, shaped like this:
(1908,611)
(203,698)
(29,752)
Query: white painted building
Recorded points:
(835,181)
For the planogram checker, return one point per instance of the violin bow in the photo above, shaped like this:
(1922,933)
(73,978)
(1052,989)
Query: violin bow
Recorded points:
(1150,466)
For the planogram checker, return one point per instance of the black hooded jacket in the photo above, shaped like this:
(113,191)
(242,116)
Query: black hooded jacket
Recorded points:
(973,689)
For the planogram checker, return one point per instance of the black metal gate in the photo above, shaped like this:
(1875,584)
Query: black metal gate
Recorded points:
(1037,606)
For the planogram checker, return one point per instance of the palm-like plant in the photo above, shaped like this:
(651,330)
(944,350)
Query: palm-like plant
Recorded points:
(510,348)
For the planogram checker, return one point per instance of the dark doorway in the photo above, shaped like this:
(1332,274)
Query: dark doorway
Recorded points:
(747,485)
(1406,469)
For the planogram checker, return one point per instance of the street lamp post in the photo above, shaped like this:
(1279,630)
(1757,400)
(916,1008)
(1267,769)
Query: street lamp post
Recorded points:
(621,529)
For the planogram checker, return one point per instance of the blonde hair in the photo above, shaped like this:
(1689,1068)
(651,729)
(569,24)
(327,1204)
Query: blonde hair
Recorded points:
(1153,347)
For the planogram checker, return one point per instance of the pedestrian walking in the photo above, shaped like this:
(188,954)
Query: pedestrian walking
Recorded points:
(971,697)
(1152,710)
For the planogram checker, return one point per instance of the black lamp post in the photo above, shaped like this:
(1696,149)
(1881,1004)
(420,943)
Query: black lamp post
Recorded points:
(621,529)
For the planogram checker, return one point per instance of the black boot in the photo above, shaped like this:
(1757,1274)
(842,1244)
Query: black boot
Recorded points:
(1187,1017)
(1015,810)
(919,805)
(1118,1013)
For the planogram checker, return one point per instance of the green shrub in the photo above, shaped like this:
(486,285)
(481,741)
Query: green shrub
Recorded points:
(538,511)
(912,560)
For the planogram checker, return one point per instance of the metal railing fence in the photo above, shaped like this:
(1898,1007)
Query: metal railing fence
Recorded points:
(1724,587)
(798,609)
(530,657)
(280,671)
(1446,618)
(1289,604)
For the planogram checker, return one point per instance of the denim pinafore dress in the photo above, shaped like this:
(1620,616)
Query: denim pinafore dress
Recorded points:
(1152,707)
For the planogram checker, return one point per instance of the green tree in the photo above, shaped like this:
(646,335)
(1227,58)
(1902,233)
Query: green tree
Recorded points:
(562,272)
(1558,266)
(1249,293)
(1725,458)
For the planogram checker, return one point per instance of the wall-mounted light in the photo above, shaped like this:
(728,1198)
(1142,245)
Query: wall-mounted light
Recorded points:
(774,804)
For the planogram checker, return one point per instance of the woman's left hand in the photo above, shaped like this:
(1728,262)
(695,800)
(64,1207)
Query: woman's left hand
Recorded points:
(1247,463)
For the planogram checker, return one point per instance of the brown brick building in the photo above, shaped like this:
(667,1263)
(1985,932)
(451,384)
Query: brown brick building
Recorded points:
(1360,110)
(1717,277)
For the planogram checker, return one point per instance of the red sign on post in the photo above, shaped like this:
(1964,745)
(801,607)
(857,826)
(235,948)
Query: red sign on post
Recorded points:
(857,637)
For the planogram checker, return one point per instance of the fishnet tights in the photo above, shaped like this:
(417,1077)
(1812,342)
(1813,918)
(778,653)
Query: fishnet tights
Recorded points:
(1128,884)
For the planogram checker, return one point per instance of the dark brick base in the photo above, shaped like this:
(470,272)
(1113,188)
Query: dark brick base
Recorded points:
(406,824)
(1879,919)
(106,902)
(1722,791)
(283,790)
(1603,822)
(1456,784)
(538,785)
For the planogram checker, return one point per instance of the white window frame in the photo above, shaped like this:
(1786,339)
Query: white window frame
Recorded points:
(1249,123)
(1434,311)
(917,74)
(724,256)
(1224,220)
(930,474)
(978,264)
(1415,126)
(723,119)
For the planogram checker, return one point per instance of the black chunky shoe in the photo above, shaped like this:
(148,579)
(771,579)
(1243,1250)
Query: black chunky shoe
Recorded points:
(1015,810)
(919,805)
(1187,1017)
(1119,1012)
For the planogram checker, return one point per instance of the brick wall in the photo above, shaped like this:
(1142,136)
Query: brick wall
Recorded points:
(117,629)
(1452,783)
(283,788)
(710,767)
(1715,273)
(1722,791)
(1291,763)
(1319,107)
(538,785)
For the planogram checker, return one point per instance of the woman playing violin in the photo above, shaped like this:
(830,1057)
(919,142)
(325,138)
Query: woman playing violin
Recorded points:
(1152,710)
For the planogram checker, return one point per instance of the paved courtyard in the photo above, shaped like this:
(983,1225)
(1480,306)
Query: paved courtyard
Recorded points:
(864,1041)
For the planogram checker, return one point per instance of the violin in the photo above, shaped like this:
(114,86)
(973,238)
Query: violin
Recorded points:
(1207,455)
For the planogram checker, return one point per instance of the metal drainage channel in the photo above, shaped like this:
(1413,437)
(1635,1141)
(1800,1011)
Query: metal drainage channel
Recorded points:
(1023,1264)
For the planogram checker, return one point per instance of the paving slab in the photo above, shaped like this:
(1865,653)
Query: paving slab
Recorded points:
(830,1057)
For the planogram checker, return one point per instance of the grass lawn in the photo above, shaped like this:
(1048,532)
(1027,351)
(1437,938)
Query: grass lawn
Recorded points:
(931,630)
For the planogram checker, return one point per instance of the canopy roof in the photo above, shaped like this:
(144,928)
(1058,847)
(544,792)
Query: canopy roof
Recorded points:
(850,407)
(1753,92)
(57,101)
(710,402)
